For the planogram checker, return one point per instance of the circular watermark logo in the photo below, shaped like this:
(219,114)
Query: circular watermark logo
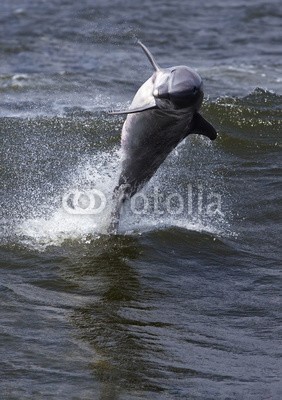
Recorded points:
(84,202)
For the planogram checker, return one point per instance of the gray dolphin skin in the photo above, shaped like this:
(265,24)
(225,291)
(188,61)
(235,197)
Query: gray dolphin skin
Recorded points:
(164,111)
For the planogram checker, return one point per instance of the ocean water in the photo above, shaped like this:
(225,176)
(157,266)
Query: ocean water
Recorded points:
(184,302)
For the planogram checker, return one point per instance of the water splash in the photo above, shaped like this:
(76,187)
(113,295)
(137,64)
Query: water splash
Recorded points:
(52,226)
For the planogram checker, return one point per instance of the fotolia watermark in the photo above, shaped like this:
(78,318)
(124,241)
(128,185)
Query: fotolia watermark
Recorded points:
(194,200)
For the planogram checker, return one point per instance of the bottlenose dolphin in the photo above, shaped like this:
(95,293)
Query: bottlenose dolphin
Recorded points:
(163,112)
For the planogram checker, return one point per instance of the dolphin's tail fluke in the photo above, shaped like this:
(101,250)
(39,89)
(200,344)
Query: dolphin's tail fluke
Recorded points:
(150,56)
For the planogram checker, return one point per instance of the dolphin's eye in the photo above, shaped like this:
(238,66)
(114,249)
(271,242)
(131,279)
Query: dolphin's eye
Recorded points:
(195,89)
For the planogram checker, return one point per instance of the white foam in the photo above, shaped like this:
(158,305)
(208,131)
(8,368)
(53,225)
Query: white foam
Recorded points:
(42,232)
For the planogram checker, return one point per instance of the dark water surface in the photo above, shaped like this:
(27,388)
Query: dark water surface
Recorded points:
(183,303)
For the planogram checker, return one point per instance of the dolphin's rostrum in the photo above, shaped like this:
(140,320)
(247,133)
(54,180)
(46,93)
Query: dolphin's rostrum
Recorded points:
(163,112)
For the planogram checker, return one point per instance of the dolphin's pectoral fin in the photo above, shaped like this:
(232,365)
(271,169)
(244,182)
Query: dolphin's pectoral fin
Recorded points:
(202,127)
(133,110)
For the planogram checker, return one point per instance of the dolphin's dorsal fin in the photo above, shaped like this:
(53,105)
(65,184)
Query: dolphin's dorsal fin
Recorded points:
(150,56)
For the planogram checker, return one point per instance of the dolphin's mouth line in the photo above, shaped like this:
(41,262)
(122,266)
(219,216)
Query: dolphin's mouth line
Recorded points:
(168,107)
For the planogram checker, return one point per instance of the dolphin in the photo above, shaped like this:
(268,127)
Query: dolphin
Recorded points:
(164,111)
